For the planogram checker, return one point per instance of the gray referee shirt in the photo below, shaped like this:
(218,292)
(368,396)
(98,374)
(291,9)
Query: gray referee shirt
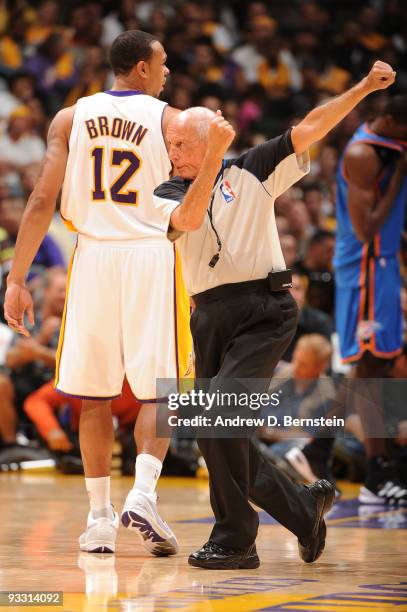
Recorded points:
(241,213)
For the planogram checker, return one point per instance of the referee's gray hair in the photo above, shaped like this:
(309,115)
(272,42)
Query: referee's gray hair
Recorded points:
(199,118)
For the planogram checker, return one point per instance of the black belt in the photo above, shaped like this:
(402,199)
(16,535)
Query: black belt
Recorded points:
(224,291)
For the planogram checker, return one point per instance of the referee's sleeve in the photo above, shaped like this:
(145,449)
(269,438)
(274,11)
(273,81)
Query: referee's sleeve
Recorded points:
(275,164)
(167,197)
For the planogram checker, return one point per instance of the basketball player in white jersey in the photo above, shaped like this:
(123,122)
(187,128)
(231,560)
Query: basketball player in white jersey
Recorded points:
(125,312)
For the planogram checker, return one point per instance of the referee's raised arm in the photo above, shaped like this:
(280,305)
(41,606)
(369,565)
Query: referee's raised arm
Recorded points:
(324,118)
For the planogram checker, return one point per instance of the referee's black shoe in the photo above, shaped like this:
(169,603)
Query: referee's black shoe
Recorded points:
(324,493)
(213,556)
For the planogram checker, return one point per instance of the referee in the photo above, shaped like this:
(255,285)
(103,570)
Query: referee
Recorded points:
(245,316)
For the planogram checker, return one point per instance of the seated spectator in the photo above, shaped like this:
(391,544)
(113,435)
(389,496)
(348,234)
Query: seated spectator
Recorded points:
(46,20)
(283,227)
(289,248)
(311,320)
(317,267)
(250,55)
(348,48)
(299,223)
(19,146)
(54,70)
(21,92)
(304,392)
(313,201)
(221,36)
(208,66)
(370,37)
(273,72)
(49,254)
(12,47)
(30,362)
(319,207)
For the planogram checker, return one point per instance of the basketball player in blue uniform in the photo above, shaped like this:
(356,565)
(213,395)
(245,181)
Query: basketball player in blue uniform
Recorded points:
(370,208)
(371,202)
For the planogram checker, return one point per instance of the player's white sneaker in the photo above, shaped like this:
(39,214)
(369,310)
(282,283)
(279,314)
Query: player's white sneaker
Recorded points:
(140,514)
(100,534)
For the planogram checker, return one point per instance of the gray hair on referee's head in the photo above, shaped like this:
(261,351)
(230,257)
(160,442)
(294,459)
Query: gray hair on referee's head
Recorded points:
(196,119)
(187,138)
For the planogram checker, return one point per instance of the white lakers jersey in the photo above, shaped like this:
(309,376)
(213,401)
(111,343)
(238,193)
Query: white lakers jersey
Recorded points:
(117,157)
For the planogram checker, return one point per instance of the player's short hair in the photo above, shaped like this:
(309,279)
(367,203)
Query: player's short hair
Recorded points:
(396,107)
(128,49)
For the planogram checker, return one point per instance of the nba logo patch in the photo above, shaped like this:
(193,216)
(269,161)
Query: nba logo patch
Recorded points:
(367,329)
(227,192)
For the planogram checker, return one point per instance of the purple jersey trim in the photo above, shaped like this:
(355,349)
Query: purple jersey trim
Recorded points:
(124,92)
(157,400)
(87,397)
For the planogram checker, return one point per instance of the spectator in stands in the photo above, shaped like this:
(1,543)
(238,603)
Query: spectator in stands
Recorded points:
(21,92)
(317,267)
(251,55)
(304,391)
(313,200)
(311,320)
(12,44)
(30,362)
(370,37)
(54,70)
(19,146)
(348,48)
(299,223)
(208,66)
(45,24)
(49,254)
(289,248)
(92,76)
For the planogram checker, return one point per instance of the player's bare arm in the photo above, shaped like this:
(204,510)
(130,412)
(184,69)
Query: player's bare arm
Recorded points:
(189,215)
(324,118)
(36,221)
(368,210)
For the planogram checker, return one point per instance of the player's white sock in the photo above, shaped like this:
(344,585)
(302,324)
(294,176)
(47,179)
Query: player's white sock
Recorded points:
(99,496)
(148,470)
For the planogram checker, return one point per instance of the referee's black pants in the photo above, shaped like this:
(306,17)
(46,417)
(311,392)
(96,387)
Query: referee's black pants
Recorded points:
(242,331)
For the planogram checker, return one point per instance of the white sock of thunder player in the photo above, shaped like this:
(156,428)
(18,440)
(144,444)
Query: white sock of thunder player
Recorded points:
(148,470)
(99,496)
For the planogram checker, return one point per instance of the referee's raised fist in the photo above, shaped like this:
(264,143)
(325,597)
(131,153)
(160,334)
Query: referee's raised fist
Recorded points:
(381,76)
(221,135)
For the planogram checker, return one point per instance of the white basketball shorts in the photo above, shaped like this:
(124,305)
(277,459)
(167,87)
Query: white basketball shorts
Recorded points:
(126,313)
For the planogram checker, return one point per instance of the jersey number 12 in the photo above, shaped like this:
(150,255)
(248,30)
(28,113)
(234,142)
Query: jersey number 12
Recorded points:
(118,192)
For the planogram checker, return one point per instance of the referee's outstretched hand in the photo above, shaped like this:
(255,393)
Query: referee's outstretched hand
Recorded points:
(221,135)
(381,76)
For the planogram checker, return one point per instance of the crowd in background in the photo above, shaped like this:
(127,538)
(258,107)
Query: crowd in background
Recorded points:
(265,65)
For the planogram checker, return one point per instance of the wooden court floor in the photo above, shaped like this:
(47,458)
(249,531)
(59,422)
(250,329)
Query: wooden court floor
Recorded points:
(364,567)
